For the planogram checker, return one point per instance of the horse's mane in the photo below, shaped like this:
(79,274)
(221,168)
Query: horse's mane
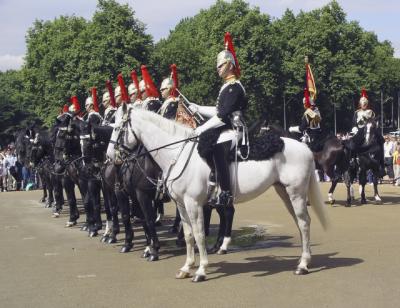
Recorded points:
(169,126)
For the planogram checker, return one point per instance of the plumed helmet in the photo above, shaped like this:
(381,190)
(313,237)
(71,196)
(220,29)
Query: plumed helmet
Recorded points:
(229,54)
(117,91)
(364,98)
(151,89)
(106,98)
(142,86)
(75,106)
(167,83)
(110,93)
(135,82)
(89,102)
(132,89)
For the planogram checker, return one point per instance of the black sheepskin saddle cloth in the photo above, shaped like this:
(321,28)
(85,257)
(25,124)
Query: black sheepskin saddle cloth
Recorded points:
(262,147)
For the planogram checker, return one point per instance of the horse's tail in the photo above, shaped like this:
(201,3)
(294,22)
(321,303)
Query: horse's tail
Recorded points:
(316,200)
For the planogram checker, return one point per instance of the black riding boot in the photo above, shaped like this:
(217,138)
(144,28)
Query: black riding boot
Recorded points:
(221,160)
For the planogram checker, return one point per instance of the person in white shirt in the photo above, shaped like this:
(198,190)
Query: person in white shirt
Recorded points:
(388,148)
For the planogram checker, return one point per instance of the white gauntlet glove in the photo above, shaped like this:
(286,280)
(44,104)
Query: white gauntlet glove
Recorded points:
(294,129)
(354,130)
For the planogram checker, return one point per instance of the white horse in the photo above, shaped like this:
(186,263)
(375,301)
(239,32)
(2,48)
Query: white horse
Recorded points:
(291,172)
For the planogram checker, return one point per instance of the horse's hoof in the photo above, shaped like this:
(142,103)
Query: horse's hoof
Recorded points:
(363,201)
(347,205)
(126,248)
(146,254)
(104,238)
(93,233)
(332,202)
(152,258)
(112,240)
(69,224)
(84,228)
(55,215)
(301,271)
(199,278)
(182,275)
(212,250)
(378,199)
(43,200)
(222,252)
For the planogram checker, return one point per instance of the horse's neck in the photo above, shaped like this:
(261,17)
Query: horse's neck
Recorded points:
(153,137)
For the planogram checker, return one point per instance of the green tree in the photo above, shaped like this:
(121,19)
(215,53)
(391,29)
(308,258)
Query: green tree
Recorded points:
(69,55)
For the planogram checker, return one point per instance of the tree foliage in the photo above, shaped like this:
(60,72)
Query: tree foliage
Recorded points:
(69,55)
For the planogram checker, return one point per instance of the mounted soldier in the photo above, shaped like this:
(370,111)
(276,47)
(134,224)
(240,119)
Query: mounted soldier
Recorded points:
(216,136)
(311,120)
(135,97)
(92,108)
(363,115)
(149,92)
(109,104)
(170,95)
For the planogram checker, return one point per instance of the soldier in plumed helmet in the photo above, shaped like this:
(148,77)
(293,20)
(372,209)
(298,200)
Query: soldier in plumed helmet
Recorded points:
(169,94)
(108,102)
(216,137)
(92,109)
(148,92)
(310,122)
(133,90)
(363,113)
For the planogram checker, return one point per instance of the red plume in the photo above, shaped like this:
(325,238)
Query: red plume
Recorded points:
(229,46)
(307,103)
(65,108)
(151,89)
(75,102)
(94,98)
(364,93)
(111,92)
(124,92)
(135,81)
(174,76)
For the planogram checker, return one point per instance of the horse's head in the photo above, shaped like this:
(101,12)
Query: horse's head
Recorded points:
(371,132)
(123,139)
(41,147)
(67,139)
(23,146)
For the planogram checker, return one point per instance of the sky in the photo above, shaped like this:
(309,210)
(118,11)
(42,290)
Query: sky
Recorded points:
(161,16)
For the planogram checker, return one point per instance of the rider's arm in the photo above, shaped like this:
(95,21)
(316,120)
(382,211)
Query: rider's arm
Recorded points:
(304,124)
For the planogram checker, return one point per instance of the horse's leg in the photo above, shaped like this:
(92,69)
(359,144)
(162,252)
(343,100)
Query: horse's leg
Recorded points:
(195,213)
(115,220)
(107,207)
(229,212)
(362,178)
(347,181)
(221,230)
(69,187)
(50,188)
(58,193)
(44,189)
(334,182)
(375,181)
(149,213)
(94,193)
(184,271)
(123,205)
(207,211)
(299,204)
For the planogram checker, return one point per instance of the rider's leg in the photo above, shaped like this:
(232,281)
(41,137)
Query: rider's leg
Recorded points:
(221,152)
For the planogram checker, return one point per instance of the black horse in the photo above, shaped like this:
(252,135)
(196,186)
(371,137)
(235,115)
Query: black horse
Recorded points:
(68,162)
(42,159)
(367,146)
(135,176)
(94,142)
